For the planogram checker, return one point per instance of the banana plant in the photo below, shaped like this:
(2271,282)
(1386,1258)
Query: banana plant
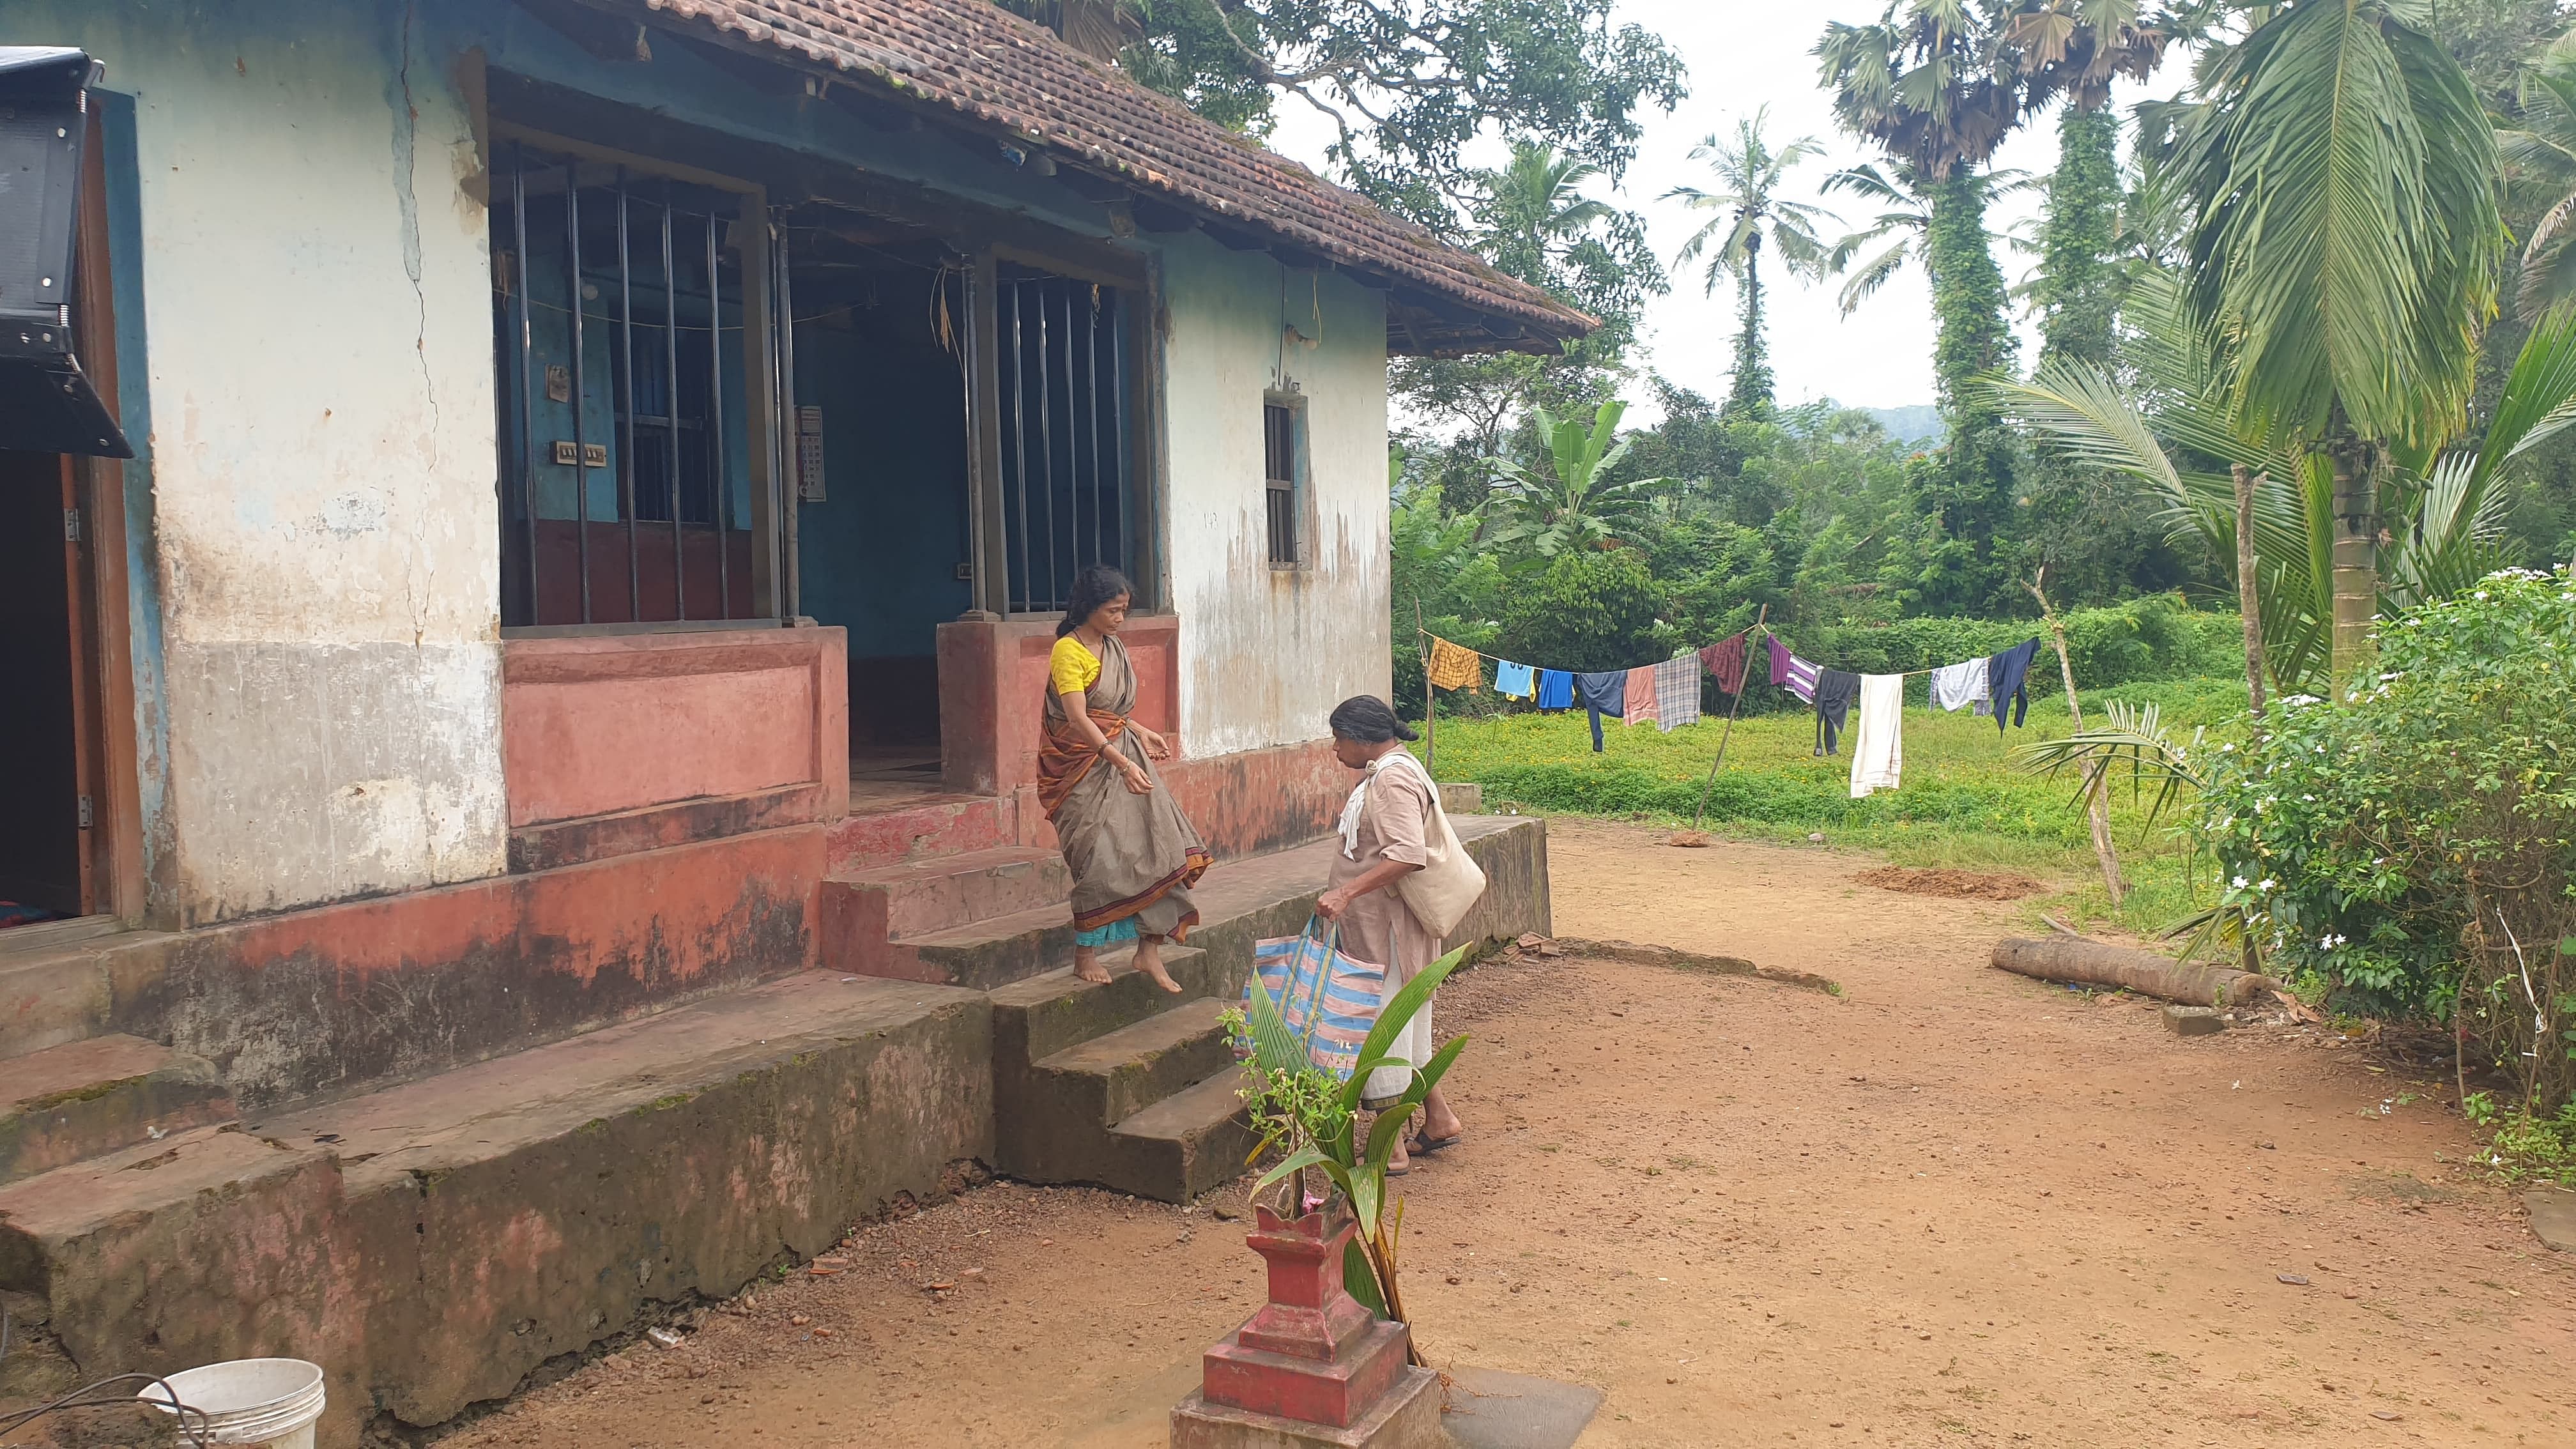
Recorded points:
(1572,504)
(2442,506)
(1318,1127)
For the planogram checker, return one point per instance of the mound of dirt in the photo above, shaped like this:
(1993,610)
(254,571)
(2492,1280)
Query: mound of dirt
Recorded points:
(1957,885)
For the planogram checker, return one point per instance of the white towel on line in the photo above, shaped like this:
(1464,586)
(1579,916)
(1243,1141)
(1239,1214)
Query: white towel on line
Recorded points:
(1878,744)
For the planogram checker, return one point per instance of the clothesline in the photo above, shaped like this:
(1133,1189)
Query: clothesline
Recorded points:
(1747,633)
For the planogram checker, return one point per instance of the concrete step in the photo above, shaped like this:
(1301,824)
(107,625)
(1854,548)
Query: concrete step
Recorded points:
(84,1099)
(864,912)
(1036,1018)
(925,829)
(983,955)
(433,1243)
(1113,1076)
(1191,1142)
(66,988)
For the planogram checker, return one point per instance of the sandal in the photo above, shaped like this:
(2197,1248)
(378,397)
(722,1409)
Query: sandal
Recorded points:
(1425,1146)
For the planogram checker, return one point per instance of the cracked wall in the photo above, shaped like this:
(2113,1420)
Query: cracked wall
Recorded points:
(320,372)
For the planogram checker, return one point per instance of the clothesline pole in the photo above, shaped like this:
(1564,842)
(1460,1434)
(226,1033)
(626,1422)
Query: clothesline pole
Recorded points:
(1430,695)
(1729,733)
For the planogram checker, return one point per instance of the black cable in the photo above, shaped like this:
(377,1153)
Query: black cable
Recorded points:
(79,1399)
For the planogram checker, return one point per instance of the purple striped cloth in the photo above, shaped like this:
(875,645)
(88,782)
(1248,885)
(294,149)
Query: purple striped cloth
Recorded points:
(1796,673)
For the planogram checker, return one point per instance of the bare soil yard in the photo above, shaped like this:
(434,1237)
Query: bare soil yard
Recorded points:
(1950,1207)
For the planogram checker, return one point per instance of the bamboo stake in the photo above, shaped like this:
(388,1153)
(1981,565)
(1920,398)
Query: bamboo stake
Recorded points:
(1430,695)
(2097,808)
(1758,621)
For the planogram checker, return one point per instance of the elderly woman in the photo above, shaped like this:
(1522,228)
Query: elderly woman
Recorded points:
(1384,839)
(1133,854)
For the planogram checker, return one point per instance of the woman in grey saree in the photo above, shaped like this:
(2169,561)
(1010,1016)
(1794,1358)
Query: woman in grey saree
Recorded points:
(1132,853)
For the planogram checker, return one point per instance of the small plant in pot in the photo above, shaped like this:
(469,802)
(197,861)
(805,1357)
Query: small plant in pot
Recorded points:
(1312,1117)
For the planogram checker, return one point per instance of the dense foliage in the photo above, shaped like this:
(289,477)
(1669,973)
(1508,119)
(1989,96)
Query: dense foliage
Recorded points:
(2413,850)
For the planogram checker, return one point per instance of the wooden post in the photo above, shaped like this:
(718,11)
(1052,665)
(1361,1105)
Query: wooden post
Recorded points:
(1758,621)
(1430,695)
(2097,808)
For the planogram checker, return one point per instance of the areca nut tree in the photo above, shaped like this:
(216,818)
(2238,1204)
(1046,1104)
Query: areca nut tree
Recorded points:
(1939,85)
(1747,211)
(2345,240)
(1569,503)
(1529,213)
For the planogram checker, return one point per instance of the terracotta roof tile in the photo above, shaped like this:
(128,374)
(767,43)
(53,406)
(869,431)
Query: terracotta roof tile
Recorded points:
(994,68)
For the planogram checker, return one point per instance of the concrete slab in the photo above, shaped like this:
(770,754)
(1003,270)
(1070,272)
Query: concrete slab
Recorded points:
(2553,1217)
(87,1098)
(434,1243)
(1490,1409)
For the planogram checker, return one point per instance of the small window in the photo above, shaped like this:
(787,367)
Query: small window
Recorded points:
(1279,472)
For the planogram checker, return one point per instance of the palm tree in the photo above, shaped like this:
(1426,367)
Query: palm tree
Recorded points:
(2540,174)
(1533,210)
(1903,215)
(1748,211)
(2341,177)
(1572,504)
(2448,510)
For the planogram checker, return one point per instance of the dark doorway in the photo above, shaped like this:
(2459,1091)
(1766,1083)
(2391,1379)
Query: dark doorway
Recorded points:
(882,541)
(41,852)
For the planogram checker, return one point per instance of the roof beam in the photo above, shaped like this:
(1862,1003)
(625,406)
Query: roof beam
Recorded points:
(601,36)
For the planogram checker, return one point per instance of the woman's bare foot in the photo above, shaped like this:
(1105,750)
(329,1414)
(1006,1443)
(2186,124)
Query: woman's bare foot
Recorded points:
(1087,967)
(1149,959)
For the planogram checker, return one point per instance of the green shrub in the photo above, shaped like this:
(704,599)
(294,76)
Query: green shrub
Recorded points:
(1592,609)
(2413,851)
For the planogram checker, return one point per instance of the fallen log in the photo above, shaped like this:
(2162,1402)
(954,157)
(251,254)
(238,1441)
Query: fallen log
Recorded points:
(2081,962)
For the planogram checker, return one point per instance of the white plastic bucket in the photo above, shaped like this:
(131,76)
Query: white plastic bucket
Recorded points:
(264,1401)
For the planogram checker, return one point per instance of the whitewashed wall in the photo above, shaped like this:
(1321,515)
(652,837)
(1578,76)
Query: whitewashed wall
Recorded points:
(320,370)
(1265,652)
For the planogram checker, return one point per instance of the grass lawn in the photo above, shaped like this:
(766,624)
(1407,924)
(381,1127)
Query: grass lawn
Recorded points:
(1965,803)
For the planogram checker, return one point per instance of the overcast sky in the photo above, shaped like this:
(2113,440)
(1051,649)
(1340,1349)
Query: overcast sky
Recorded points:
(1743,55)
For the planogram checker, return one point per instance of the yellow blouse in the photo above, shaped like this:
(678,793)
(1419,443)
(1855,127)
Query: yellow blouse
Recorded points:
(1072,669)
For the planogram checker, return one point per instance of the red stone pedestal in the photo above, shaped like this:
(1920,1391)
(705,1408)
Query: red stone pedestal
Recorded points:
(1314,1366)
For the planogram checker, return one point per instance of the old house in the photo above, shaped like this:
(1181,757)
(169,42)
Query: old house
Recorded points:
(525,802)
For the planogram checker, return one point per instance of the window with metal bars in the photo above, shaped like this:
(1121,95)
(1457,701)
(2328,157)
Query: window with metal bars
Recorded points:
(1279,439)
(623,352)
(1066,458)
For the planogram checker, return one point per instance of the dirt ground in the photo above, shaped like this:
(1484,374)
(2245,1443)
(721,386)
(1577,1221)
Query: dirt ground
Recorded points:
(1949,1207)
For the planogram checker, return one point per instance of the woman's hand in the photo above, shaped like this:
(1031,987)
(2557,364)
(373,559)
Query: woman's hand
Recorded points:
(1156,746)
(1332,903)
(1138,782)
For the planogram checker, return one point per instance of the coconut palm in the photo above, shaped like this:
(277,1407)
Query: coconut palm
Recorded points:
(2341,181)
(1748,211)
(2540,174)
(1903,223)
(1572,504)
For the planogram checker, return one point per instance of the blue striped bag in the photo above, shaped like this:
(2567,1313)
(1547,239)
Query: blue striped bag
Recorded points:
(1330,1000)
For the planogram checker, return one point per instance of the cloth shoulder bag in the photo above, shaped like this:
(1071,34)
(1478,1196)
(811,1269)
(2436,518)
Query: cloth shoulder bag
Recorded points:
(1450,882)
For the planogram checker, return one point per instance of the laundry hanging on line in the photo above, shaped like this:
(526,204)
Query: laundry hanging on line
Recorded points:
(1638,704)
(1555,689)
(1837,690)
(1512,681)
(1791,672)
(1602,693)
(1453,666)
(1956,686)
(1726,661)
(1878,734)
(2006,677)
(1677,692)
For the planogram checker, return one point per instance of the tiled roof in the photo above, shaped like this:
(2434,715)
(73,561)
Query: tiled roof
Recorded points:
(995,69)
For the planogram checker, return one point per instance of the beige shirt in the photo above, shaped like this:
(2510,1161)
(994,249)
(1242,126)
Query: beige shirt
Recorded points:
(1380,928)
